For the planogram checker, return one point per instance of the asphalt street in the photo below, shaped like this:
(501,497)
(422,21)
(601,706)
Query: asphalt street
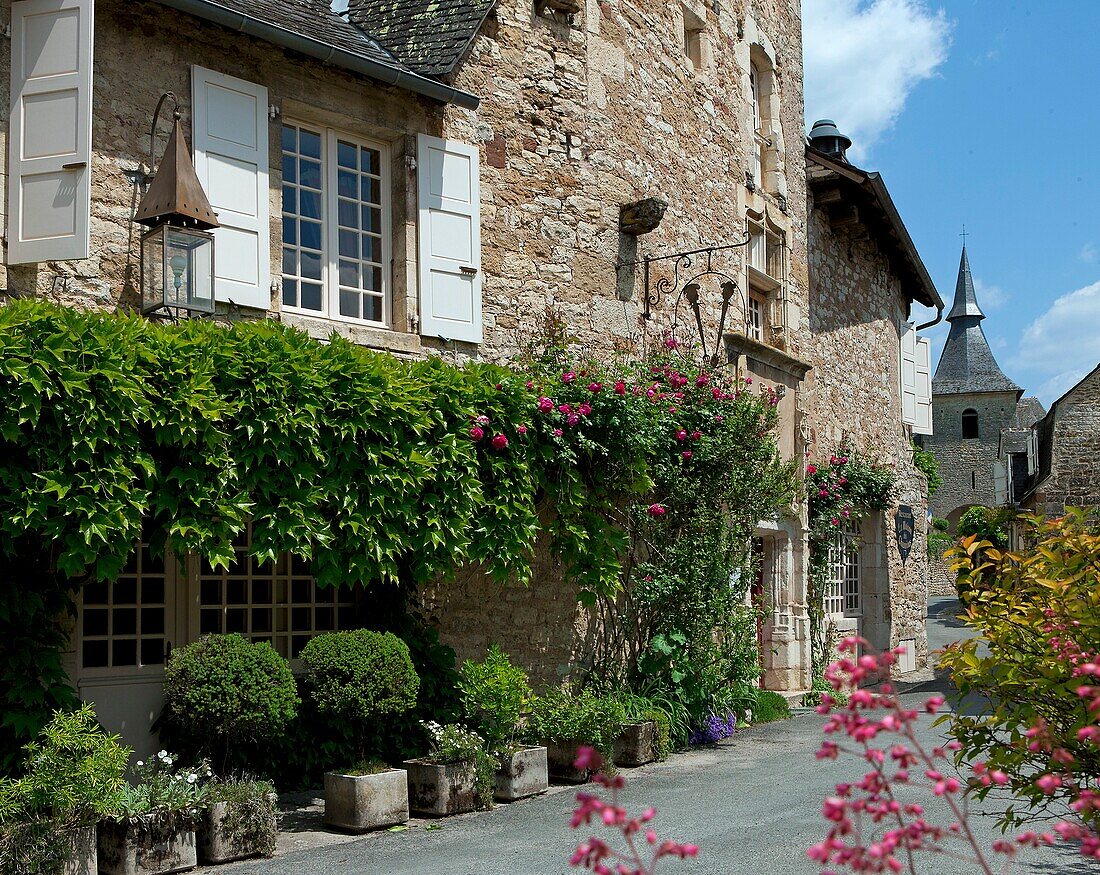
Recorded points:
(752,805)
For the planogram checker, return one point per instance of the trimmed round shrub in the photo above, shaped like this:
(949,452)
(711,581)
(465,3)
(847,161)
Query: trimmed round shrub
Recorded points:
(360,675)
(223,690)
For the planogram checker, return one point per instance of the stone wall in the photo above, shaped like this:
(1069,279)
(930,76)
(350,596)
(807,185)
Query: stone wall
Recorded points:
(1074,479)
(966,466)
(854,395)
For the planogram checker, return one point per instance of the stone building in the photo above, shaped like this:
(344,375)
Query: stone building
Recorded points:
(977,411)
(865,275)
(1067,439)
(434,179)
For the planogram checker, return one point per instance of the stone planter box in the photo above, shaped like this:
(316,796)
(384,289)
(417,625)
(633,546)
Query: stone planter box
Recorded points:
(560,756)
(145,846)
(83,859)
(637,744)
(217,845)
(437,791)
(522,774)
(358,803)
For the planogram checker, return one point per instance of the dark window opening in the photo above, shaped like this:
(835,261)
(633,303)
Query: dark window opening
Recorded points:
(970,424)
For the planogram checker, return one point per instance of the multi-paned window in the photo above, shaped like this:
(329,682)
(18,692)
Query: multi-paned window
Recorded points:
(335,224)
(754,317)
(278,602)
(842,587)
(123,623)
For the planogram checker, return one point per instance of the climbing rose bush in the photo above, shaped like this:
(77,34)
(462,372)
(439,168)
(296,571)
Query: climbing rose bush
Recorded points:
(643,849)
(870,829)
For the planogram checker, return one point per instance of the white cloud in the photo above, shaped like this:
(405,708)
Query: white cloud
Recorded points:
(1088,252)
(864,57)
(1062,344)
(990,297)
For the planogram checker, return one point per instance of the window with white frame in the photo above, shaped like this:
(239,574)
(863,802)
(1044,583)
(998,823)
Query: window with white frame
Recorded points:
(842,586)
(754,317)
(766,252)
(335,224)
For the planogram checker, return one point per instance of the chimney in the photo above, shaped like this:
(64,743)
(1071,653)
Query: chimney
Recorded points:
(825,137)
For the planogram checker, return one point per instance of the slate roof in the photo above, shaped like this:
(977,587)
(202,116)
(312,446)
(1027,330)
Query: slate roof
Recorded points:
(1029,411)
(430,36)
(310,26)
(966,363)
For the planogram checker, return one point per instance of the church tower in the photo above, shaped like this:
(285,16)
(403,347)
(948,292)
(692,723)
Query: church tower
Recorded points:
(973,402)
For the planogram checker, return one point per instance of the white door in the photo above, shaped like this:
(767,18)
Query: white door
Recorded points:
(125,630)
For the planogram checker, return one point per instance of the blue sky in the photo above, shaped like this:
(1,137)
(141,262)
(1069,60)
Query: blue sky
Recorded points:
(983,112)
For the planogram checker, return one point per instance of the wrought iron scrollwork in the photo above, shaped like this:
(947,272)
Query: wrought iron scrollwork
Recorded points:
(692,290)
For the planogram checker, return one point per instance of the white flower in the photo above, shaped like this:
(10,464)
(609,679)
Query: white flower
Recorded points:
(163,754)
(192,778)
(140,764)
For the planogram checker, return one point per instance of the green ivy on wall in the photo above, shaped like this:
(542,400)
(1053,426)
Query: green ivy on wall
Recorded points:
(840,490)
(375,469)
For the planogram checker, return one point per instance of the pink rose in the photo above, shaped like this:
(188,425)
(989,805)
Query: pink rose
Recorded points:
(545,405)
(595,387)
(584,409)
(811,469)
(681,435)
(522,429)
(687,454)
(701,380)
(657,510)
(695,435)
(568,377)
(557,432)
(748,381)
(835,521)
(483,420)
(530,384)
(719,418)
(477,432)
(671,342)
(620,387)
(565,408)
(499,442)
(572,419)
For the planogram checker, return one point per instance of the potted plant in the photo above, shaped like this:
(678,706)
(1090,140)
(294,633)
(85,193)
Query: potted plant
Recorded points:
(239,820)
(225,696)
(359,677)
(74,774)
(457,775)
(152,831)
(645,734)
(495,696)
(566,721)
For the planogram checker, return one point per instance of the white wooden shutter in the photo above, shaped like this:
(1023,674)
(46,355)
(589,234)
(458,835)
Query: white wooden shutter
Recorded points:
(450,239)
(922,419)
(230,142)
(1032,452)
(1000,484)
(50,130)
(908,374)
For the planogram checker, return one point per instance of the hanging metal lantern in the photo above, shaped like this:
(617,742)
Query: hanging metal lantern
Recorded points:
(177,252)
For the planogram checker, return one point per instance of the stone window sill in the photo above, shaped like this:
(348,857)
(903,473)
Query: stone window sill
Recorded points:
(397,342)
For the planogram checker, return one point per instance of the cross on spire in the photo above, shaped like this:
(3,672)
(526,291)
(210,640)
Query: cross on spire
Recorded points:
(964,235)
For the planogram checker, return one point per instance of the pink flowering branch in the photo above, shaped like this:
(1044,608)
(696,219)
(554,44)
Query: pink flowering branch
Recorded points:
(870,829)
(595,853)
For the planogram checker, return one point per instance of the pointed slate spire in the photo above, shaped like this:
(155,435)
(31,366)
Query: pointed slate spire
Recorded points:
(966,363)
(966,302)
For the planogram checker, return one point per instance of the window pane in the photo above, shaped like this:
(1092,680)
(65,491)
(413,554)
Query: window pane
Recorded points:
(125,621)
(125,592)
(290,169)
(152,591)
(261,619)
(124,652)
(349,213)
(290,262)
(311,234)
(311,297)
(372,248)
(347,155)
(95,621)
(261,589)
(310,174)
(349,274)
(95,654)
(95,594)
(371,161)
(347,184)
(310,204)
(372,279)
(372,308)
(236,592)
(311,265)
(309,143)
(152,621)
(372,190)
(290,138)
(152,651)
(290,199)
(372,219)
(290,293)
(301,591)
(349,245)
(236,620)
(210,621)
(349,303)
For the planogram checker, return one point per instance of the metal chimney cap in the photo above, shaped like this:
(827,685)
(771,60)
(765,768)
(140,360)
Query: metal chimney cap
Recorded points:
(824,129)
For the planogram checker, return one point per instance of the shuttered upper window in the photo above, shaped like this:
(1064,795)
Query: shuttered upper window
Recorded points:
(335,225)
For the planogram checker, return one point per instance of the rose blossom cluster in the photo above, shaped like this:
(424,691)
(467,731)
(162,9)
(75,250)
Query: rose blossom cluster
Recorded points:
(596,854)
(870,830)
(826,485)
